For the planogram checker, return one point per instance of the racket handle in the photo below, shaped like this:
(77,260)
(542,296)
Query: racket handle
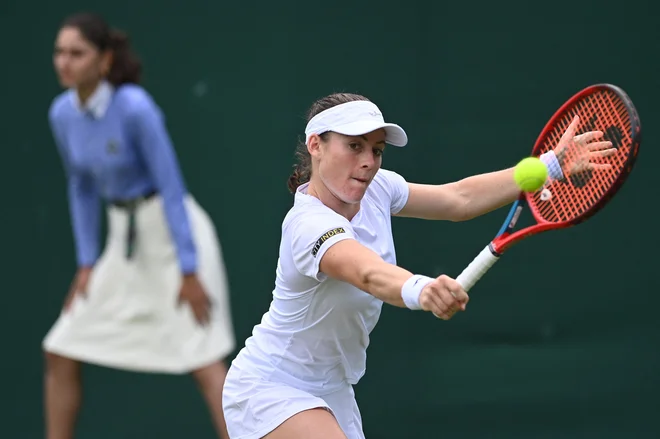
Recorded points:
(477,268)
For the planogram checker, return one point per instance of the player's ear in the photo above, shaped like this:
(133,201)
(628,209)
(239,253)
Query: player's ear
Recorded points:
(106,62)
(314,145)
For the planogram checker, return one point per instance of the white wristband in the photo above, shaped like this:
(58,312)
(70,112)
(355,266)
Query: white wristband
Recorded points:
(412,288)
(551,162)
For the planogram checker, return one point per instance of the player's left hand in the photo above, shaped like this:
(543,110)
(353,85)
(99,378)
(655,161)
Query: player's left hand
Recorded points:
(193,293)
(576,154)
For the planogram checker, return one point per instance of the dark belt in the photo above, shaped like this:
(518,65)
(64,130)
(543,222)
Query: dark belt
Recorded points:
(134,202)
(131,206)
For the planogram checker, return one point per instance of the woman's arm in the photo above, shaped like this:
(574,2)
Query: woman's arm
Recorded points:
(84,202)
(156,148)
(351,262)
(354,263)
(84,205)
(461,200)
(471,197)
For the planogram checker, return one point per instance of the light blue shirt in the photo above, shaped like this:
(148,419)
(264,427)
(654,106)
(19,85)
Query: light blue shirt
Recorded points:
(117,148)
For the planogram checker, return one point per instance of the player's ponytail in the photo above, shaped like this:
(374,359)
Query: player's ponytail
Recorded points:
(302,170)
(126,66)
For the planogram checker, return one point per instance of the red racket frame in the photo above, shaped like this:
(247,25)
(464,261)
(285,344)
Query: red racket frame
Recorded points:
(506,237)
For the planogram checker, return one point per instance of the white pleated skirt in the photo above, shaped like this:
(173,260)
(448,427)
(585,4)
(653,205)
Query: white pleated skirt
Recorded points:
(130,318)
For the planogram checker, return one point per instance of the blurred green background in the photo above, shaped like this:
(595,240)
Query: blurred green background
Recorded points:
(561,339)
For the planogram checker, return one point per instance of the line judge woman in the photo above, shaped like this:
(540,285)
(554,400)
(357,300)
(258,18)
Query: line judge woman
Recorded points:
(155,299)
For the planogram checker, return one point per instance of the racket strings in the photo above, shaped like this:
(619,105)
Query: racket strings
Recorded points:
(582,187)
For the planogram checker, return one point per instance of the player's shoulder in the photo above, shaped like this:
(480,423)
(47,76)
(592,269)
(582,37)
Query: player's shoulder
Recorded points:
(384,179)
(60,106)
(309,212)
(385,185)
(135,98)
(132,93)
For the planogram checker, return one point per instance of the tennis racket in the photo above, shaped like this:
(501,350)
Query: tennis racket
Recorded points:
(581,191)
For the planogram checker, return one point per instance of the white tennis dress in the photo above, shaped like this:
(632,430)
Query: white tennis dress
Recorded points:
(130,319)
(310,347)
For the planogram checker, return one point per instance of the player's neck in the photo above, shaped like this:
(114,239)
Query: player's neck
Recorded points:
(86,91)
(320,191)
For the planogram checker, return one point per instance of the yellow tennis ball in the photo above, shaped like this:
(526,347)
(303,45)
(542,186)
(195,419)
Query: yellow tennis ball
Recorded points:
(530,174)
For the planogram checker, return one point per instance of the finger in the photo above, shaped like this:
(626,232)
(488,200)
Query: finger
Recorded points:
(82,288)
(449,298)
(587,137)
(69,301)
(461,295)
(431,301)
(206,312)
(450,313)
(442,315)
(570,131)
(457,291)
(596,146)
(437,305)
(67,304)
(461,303)
(200,314)
(603,153)
(463,299)
(599,166)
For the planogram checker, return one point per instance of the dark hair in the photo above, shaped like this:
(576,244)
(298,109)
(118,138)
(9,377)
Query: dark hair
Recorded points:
(126,66)
(302,170)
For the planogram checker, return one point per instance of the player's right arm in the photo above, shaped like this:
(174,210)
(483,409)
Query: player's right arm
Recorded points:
(354,263)
(323,245)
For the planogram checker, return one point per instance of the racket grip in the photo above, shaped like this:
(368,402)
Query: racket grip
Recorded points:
(477,268)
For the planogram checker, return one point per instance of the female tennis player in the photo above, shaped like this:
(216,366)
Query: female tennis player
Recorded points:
(294,378)
(156,299)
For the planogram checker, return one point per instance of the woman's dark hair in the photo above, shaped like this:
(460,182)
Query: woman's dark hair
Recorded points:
(126,66)
(302,170)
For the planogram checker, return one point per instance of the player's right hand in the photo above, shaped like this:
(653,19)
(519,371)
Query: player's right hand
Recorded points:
(443,297)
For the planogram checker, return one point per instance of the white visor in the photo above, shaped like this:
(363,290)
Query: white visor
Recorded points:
(355,119)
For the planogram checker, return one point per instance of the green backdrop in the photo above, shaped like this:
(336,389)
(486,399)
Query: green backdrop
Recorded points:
(561,340)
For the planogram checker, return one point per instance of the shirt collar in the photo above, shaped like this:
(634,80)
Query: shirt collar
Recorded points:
(97,104)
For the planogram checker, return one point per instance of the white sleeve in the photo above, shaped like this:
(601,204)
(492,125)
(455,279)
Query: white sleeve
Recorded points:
(396,188)
(312,235)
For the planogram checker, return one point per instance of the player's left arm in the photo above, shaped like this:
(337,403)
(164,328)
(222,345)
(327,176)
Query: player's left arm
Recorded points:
(480,194)
(470,197)
(461,200)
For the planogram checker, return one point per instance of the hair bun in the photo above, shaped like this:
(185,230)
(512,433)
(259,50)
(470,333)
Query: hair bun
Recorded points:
(294,181)
(118,39)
